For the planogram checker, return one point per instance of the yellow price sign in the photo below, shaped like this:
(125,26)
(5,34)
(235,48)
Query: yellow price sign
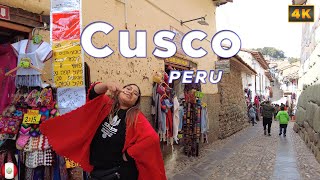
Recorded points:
(31,118)
(65,49)
(67,64)
(33,112)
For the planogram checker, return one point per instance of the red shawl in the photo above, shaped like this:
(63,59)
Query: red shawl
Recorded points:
(70,135)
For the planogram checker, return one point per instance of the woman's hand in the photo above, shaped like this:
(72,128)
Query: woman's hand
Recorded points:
(113,87)
(124,157)
(102,88)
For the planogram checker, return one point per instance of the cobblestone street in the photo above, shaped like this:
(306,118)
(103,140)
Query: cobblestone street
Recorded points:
(250,155)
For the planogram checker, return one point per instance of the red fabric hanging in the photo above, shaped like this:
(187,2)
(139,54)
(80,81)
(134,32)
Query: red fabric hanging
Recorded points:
(169,123)
(8,61)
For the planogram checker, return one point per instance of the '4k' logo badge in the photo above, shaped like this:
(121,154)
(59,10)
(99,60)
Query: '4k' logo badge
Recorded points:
(301,13)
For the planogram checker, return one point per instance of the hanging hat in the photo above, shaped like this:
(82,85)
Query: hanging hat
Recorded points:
(157,77)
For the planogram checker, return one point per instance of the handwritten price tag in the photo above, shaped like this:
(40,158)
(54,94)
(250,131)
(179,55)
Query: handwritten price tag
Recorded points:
(34,112)
(67,64)
(31,118)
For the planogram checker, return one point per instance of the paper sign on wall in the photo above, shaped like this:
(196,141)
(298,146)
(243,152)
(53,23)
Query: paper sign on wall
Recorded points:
(65,25)
(71,98)
(63,5)
(67,64)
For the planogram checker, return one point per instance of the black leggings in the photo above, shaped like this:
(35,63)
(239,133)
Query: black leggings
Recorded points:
(267,121)
(284,127)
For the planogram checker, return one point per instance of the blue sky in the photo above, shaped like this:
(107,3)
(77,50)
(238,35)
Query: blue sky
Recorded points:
(261,23)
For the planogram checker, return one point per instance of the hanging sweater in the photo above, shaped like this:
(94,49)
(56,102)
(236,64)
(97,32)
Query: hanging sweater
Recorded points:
(70,136)
(176,119)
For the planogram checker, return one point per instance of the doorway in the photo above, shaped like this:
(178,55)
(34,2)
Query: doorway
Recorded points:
(9,36)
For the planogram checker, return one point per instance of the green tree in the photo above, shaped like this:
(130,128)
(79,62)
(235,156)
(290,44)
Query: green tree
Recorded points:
(272,52)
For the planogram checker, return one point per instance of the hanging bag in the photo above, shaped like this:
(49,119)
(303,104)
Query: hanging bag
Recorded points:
(161,90)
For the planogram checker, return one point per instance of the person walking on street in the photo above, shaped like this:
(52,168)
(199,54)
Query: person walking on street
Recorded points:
(283,118)
(277,109)
(267,114)
(252,114)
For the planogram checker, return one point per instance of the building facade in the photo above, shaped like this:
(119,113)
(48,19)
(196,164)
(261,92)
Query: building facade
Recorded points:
(152,16)
(260,83)
(309,74)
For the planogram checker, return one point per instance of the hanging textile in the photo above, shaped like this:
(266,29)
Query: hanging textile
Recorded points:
(179,88)
(175,121)
(176,118)
(37,54)
(28,109)
(204,123)
(169,126)
(8,61)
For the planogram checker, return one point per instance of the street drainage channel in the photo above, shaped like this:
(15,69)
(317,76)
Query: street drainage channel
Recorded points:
(286,164)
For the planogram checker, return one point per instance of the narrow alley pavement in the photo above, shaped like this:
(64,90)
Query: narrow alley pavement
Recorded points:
(250,155)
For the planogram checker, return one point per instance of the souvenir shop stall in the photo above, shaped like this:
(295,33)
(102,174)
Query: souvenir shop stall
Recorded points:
(179,115)
(28,98)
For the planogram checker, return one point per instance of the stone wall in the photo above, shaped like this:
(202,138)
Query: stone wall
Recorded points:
(308,119)
(232,116)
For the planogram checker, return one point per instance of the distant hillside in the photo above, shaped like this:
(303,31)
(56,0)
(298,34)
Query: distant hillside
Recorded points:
(275,54)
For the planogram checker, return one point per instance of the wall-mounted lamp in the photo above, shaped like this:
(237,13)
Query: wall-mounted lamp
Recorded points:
(202,21)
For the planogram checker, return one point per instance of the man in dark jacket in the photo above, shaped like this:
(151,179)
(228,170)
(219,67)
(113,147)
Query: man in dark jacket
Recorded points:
(267,113)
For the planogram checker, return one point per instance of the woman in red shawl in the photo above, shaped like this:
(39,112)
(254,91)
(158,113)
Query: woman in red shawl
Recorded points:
(110,138)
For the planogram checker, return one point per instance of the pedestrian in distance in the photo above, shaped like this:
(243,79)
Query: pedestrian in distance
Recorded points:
(277,109)
(283,118)
(252,114)
(267,114)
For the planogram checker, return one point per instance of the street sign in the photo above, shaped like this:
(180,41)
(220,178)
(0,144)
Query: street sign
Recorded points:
(4,12)
(301,13)
(223,65)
